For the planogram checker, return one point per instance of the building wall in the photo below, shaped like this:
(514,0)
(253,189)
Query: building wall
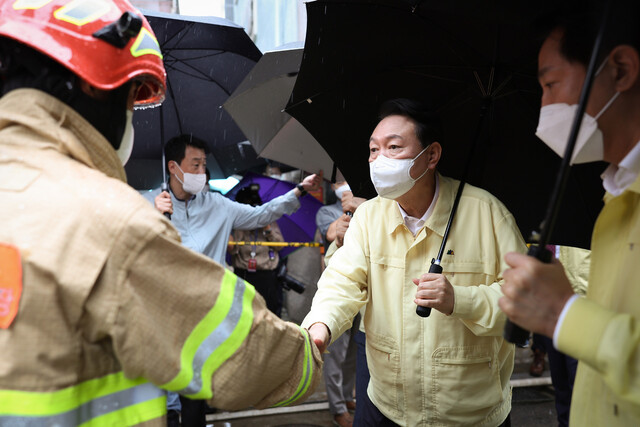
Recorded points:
(168,6)
(269,23)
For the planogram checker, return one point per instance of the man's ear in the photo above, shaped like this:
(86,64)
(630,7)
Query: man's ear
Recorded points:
(173,169)
(434,152)
(627,62)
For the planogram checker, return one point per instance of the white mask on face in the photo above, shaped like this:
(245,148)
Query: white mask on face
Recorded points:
(340,190)
(391,177)
(193,182)
(554,127)
(126,144)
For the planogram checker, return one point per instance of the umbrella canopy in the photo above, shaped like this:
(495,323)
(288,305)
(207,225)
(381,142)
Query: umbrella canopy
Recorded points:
(462,57)
(257,106)
(297,227)
(206,58)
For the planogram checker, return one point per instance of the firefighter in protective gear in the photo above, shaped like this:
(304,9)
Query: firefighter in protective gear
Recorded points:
(101,307)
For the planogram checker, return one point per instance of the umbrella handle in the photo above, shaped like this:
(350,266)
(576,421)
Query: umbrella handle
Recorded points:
(426,311)
(165,187)
(512,332)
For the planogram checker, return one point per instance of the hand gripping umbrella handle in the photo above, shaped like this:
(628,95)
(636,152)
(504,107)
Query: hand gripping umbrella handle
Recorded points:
(426,311)
(512,332)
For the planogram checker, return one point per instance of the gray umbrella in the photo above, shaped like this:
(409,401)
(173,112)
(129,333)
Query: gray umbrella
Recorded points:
(257,106)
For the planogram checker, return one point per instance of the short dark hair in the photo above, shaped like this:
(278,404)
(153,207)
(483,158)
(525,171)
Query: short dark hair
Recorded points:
(176,147)
(427,124)
(580,23)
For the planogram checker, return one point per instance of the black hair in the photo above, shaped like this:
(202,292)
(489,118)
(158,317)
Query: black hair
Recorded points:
(580,22)
(249,195)
(427,124)
(176,147)
(24,67)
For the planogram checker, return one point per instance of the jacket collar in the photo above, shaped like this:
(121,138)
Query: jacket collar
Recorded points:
(55,125)
(437,221)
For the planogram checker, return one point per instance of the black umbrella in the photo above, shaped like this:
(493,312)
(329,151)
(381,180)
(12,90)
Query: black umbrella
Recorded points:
(475,62)
(206,58)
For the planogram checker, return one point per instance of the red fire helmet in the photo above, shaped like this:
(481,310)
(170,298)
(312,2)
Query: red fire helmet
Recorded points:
(105,42)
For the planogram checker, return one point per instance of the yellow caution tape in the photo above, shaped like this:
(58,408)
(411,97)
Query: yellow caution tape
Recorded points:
(294,244)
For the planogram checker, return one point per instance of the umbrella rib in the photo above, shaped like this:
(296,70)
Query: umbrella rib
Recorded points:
(502,85)
(491,76)
(192,58)
(480,85)
(175,105)
(202,77)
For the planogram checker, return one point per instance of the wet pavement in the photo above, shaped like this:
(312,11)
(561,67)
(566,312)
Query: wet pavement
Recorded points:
(532,405)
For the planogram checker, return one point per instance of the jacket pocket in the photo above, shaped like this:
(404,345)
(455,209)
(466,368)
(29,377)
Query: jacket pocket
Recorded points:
(466,382)
(383,359)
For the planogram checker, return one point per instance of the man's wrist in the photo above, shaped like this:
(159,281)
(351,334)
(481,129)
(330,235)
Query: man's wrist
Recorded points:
(301,189)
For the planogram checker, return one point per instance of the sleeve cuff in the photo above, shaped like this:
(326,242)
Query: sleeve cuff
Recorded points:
(583,317)
(563,314)
(463,301)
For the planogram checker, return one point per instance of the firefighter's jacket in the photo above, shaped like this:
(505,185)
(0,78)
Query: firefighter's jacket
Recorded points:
(112,308)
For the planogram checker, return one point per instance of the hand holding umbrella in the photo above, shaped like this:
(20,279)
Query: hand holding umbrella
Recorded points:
(528,281)
(163,203)
(435,290)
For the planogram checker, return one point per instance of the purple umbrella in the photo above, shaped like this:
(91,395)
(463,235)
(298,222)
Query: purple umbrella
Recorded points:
(298,227)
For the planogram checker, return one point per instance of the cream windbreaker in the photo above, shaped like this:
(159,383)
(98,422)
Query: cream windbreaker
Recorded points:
(442,370)
(112,305)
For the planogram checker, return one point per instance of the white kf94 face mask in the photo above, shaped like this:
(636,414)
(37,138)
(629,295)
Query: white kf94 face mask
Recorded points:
(391,177)
(193,182)
(554,127)
(341,190)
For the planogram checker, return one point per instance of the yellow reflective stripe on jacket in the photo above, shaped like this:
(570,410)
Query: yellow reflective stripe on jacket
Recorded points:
(307,372)
(218,335)
(111,400)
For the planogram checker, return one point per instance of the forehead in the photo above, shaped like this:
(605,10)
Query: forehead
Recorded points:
(193,153)
(550,57)
(394,127)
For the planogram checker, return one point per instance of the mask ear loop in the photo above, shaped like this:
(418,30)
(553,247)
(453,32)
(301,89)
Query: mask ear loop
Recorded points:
(613,98)
(181,181)
(413,162)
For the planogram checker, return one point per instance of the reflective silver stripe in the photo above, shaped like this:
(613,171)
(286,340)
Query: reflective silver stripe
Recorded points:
(88,411)
(216,339)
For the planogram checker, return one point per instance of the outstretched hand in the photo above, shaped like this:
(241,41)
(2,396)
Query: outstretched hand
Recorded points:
(312,182)
(320,335)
